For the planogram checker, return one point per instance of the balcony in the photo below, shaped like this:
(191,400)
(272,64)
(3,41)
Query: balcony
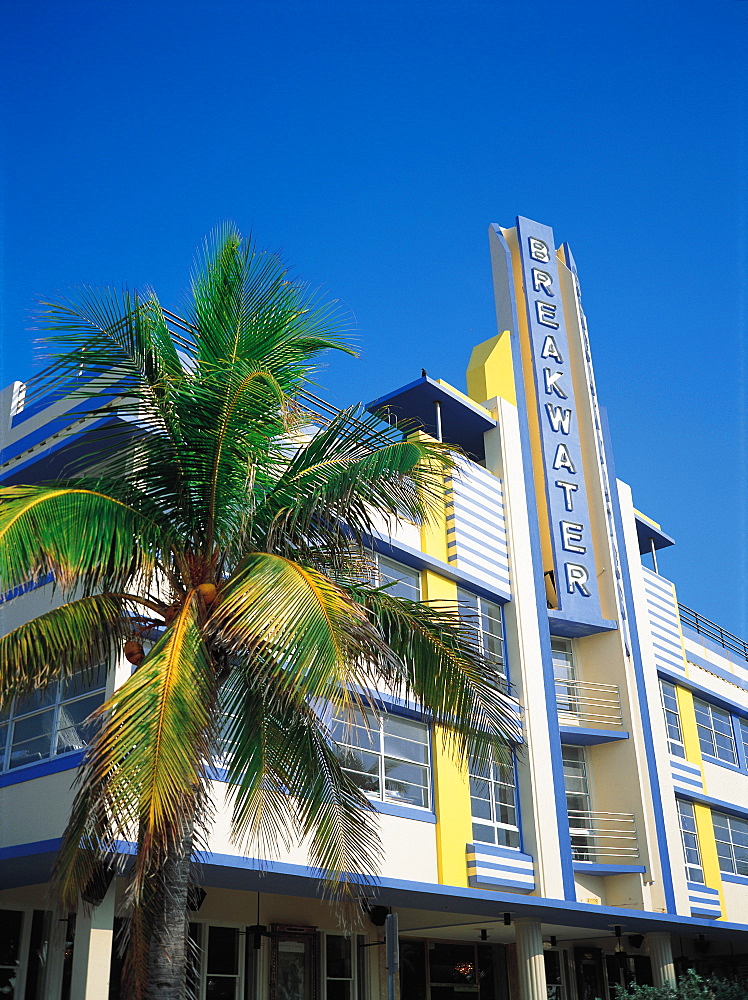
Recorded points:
(583,703)
(603,838)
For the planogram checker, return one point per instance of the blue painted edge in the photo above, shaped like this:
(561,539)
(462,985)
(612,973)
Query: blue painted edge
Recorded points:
(498,852)
(65,762)
(652,763)
(737,879)
(731,808)
(715,699)
(25,588)
(704,640)
(578,736)
(34,847)
(595,869)
(419,560)
(570,626)
(712,668)
(495,866)
(477,881)
(707,889)
(549,910)
(55,446)
(557,767)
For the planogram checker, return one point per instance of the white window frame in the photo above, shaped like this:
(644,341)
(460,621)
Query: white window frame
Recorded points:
(689,837)
(354,943)
(673,728)
(481,613)
(55,706)
(732,823)
(376,723)
(511,830)
(402,577)
(708,743)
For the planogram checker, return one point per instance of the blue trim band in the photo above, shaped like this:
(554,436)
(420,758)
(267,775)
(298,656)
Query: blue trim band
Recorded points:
(65,762)
(731,808)
(579,736)
(419,560)
(499,852)
(708,695)
(595,869)
(704,640)
(34,847)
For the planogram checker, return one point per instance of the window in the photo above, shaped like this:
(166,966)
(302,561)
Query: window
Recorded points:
(672,719)
(493,800)
(564,673)
(49,722)
(715,732)
(690,841)
(387,756)
(484,617)
(339,968)
(406,581)
(731,835)
(577,800)
(744,736)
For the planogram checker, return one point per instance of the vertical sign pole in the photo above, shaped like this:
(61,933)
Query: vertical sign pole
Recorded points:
(393,953)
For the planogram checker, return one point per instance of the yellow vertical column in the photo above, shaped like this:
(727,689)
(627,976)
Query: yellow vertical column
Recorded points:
(451,783)
(702,814)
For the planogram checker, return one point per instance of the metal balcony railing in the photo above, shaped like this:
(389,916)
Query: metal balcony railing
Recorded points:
(602,837)
(584,703)
(712,631)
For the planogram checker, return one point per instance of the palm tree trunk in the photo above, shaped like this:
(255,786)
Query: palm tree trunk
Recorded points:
(169,949)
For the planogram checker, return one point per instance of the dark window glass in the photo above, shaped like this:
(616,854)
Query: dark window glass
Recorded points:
(412,969)
(223,951)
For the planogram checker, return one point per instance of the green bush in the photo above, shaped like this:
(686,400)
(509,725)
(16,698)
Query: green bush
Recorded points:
(690,987)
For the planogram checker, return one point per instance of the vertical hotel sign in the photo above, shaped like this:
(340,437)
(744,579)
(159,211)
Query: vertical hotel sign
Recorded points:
(568,510)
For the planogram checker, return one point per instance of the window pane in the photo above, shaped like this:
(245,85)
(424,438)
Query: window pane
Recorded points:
(32,738)
(223,950)
(78,685)
(72,731)
(406,582)
(406,749)
(338,957)
(33,702)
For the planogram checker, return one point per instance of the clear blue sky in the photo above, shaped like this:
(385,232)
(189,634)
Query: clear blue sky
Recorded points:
(373,143)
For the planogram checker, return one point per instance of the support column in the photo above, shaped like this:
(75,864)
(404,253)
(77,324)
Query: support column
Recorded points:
(661,956)
(92,951)
(530,962)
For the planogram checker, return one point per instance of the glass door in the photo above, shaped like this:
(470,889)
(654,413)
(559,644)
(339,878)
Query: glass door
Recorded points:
(11,926)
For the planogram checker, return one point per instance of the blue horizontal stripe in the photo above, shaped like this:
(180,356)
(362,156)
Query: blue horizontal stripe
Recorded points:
(478,880)
(65,762)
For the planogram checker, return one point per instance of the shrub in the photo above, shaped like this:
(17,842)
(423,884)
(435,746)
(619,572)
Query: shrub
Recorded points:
(691,986)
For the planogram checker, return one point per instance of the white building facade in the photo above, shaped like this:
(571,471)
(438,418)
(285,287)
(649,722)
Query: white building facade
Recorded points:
(616,848)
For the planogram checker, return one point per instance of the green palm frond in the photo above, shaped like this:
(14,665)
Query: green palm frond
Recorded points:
(245,306)
(86,539)
(305,634)
(285,779)
(144,769)
(344,480)
(72,639)
(442,668)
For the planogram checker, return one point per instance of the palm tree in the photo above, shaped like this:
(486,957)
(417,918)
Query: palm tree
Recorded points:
(225,539)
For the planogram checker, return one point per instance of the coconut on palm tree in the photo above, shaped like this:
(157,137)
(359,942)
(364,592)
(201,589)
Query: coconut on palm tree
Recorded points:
(219,537)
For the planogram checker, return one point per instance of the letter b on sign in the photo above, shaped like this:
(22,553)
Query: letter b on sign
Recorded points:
(539,250)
